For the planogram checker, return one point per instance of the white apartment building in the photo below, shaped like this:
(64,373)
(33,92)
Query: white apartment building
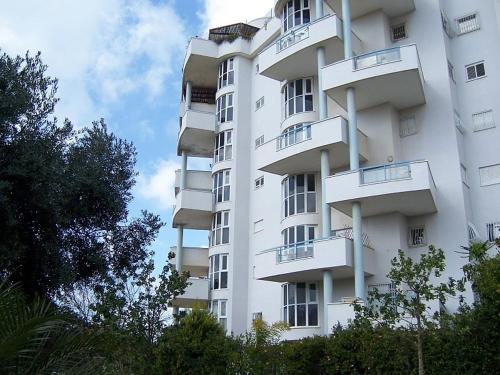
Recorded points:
(340,131)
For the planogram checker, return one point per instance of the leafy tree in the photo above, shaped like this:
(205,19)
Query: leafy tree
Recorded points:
(63,193)
(413,287)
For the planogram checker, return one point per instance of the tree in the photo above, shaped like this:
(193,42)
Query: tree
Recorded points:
(63,193)
(412,287)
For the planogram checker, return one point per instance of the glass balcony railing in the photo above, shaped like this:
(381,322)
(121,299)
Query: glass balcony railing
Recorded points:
(292,38)
(384,173)
(293,135)
(377,58)
(298,250)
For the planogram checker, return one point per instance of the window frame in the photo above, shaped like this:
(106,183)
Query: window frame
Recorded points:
(485,126)
(288,196)
(217,274)
(217,312)
(481,183)
(259,182)
(477,23)
(221,185)
(475,65)
(396,26)
(221,151)
(226,73)
(220,228)
(225,108)
(411,237)
(288,303)
(288,97)
(259,103)
(289,14)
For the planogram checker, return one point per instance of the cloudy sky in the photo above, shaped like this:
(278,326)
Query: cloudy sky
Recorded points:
(122,60)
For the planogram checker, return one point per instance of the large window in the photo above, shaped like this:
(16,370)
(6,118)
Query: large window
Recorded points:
(300,304)
(225,108)
(219,310)
(298,96)
(226,73)
(294,134)
(297,243)
(223,146)
(220,228)
(296,13)
(222,187)
(299,194)
(218,271)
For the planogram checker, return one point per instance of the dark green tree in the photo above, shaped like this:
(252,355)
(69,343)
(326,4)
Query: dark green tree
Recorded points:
(63,193)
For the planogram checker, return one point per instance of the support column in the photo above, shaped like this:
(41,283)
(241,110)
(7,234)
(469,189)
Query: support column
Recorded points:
(178,254)
(352,119)
(188,95)
(325,208)
(319,9)
(327,298)
(323,105)
(183,170)
(359,267)
(346,22)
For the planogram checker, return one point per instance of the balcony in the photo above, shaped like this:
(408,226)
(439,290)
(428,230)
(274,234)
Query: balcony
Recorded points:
(305,261)
(193,205)
(196,135)
(294,54)
(388,76)
(195,295)
(194,260)
(299,150)
(201,62)
(406,187)
(360,8)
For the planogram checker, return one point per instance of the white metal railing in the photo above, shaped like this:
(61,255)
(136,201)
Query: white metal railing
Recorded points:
(298,250)
(292,38)
(377,58)
(347,233)
(290,137)
(384,173)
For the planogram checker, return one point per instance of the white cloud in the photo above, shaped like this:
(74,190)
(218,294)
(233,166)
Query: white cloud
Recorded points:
(99,50)
(225,12)
(160,185)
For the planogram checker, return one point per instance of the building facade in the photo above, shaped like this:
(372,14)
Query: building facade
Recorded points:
(340,131)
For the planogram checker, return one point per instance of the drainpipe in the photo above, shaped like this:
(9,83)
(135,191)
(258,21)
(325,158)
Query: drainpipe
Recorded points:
(357,229)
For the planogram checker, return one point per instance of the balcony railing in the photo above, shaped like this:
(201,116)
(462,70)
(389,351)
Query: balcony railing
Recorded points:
(377,58)
(384,173)
(288,138)
(292,38)
(298,250)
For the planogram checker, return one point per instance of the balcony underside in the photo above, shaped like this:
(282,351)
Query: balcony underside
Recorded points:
(195,295)
(194,260)
(196,142)
(193,209)
(362,7)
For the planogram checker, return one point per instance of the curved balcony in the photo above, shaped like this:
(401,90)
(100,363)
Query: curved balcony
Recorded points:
(294,54)
(360,8)
(195,295)
(299,151)
(406,187)
(389,76)
(306,261)
(196,135)
(194,260)
(193,205)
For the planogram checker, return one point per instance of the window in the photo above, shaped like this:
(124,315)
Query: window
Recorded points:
(259,182)
(220,228)
(398,32)
(218,271)
(297,243)
(475,71)
(294,134)
(257,69)
(219,310)
(416,236)
(446,24)
(223,146)
(299,194)
(387,289)
(300,304)
(458,121)
(222,186)
(298,96)
(483,120)
(489,175)
(451,71)
(258,226)
(463,172)
(296,13)
(259,104)
(493,231)
(226,73)
(259,141)
(256,316)
(467,23)
(225,108)
(407,126)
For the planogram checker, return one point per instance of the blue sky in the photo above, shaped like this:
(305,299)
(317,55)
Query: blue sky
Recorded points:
(122,60)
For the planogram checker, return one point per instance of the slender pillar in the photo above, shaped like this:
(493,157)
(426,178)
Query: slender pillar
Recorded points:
(352,118)
(183,170)
(325,208)
(188,95)
(323,106)
(327,298)
(319,9)
(178,255)
(346,22)
(357,234)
